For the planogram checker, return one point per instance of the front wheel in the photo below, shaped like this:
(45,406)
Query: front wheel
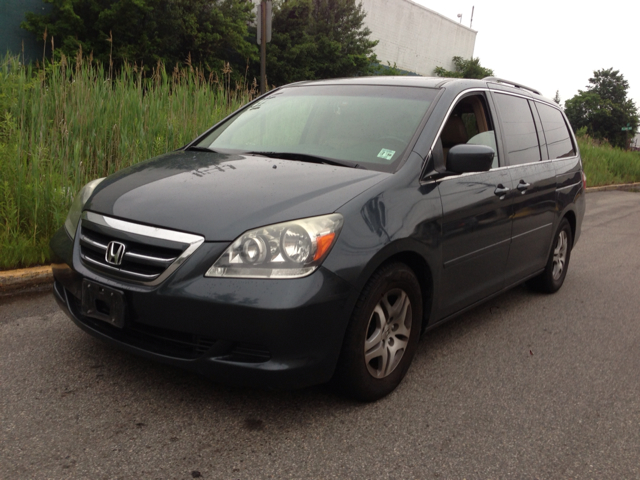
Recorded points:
(382,336)
(555,271)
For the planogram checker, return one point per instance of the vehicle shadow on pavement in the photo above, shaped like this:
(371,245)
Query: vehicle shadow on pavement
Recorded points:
(134,377)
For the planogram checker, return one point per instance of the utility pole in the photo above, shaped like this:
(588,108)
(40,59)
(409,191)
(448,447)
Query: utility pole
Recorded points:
(263,47)
(263,37)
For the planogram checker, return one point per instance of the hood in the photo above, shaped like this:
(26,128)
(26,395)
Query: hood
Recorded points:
(221,196)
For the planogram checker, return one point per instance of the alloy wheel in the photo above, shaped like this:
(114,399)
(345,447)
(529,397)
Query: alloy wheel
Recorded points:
(560,255)
(388,333)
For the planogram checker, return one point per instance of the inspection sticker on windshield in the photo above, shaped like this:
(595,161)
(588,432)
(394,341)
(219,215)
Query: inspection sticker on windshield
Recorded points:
(386,154)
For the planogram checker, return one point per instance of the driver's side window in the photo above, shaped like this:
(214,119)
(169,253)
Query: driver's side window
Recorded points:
(470,123)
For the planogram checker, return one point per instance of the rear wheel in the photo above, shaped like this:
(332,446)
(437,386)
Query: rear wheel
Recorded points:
(555,271)
(383,334)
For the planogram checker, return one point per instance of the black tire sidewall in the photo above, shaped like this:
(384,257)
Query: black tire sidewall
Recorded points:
(549,284)
(352,375)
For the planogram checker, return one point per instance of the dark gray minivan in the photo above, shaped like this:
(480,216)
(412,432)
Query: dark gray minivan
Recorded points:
(314,234)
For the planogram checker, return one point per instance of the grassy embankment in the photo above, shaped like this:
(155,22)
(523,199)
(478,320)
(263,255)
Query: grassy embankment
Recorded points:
(605,165)
(64,125)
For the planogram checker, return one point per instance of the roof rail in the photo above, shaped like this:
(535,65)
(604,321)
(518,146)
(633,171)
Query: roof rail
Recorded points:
(509,82)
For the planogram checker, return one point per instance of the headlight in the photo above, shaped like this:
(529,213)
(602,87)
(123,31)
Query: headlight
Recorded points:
(71,223)
(284,250)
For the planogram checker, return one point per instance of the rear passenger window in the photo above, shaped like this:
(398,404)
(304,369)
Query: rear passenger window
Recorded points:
(518,129)
(559,141)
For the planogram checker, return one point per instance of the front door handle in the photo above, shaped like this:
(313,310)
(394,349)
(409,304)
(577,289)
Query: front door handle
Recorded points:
(522,186)
(501,191)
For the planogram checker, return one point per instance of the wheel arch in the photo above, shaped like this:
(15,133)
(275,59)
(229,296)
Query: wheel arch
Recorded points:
(570,215)
(410,256)
(424,275)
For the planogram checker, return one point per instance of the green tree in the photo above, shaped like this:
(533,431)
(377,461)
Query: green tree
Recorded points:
(314,39)
(292,51)
(557,98)
(344,47)
(210,32)
(604,109)
(388,70)
(464,69)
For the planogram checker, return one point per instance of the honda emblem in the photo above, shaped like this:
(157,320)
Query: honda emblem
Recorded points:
(115,253)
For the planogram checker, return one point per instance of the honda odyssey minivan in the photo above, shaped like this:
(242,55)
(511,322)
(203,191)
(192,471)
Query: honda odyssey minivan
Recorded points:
(317,232)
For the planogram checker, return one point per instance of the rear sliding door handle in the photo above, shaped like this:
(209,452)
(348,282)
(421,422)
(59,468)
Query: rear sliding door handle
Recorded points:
(501,191)
(522,186)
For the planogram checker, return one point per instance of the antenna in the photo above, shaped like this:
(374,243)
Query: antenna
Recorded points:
(471,22)
(460,17)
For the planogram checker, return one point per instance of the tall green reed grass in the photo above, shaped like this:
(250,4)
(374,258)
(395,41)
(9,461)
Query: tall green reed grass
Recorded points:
(67,123)
(606,165)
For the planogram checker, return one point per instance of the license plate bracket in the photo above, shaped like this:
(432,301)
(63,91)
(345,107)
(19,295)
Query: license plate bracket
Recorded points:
(103,303)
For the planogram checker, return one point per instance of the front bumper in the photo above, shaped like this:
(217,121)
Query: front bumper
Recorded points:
(251,332)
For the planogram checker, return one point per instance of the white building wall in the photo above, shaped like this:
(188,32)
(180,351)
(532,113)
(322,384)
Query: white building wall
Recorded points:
(415,38)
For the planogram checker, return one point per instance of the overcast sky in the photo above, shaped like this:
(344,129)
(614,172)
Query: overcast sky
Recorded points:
(552,45)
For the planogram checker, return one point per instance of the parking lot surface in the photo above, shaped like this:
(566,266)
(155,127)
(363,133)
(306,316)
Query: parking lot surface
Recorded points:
(525,386)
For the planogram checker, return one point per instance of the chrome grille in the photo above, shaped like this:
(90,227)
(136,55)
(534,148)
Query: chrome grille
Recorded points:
(150,254)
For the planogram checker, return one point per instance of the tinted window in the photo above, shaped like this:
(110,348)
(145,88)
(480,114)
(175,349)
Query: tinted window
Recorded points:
(556,132)
(469,123)
(518,129)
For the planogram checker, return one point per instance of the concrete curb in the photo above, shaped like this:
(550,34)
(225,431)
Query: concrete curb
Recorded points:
(627,187)
(29,279)
(13,280)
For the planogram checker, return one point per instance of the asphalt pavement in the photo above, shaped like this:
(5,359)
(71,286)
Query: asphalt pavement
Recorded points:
(525,386)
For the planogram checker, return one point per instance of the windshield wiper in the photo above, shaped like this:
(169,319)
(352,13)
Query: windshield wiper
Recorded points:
(304,157)
(197,148)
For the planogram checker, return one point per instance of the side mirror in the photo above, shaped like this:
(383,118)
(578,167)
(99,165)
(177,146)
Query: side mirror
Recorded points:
(466,158)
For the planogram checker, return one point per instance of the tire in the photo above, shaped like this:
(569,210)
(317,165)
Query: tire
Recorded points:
(555,271)
(383,334)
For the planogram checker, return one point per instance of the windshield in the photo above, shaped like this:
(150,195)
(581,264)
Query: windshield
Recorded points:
(364,125)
